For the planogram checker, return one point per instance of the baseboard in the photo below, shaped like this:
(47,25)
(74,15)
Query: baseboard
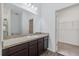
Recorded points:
(69,43)
(51,50)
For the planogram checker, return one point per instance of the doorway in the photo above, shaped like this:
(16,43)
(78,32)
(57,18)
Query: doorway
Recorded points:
(31,26)
(67,31)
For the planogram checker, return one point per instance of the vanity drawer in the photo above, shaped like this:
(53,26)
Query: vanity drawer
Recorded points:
(17,48)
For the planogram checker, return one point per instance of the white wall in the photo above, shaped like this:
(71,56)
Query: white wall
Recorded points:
(48,21)
(0,29)
(16,22)
(1,26)
(69,25)
(7,14)
(37,19)
(0,21)
(26,16)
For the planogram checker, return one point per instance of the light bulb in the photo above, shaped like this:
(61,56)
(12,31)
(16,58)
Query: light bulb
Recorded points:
(32,6)
(29,4)
(35,8)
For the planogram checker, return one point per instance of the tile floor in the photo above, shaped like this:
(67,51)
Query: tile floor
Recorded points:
(68,49)
(49,53)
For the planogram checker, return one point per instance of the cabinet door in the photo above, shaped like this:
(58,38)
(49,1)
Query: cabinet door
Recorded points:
(40,46)
(45,43)
(33,48)
(5,52)
(16,50)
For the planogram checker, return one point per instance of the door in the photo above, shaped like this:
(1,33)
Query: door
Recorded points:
(31,26)
(56,31)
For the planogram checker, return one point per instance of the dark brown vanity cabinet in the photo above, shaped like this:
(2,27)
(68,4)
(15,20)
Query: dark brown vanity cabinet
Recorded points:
(45,43)
(40,46)
(23,52)
(31,48)
(18,50)
(5,52)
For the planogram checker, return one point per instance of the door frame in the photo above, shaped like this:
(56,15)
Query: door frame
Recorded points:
(56,40)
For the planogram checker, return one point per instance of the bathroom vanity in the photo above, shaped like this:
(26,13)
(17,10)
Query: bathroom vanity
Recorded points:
(33,45)
(19,38)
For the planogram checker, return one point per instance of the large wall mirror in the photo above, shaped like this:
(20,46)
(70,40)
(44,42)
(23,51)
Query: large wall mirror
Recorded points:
(17,22)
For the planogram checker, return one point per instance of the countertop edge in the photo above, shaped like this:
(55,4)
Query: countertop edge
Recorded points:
(5,47)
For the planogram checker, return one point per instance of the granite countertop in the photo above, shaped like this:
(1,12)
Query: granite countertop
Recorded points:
(12,36)
(16,36)
(22,39)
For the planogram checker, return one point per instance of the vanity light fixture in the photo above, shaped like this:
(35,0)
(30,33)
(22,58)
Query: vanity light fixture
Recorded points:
(31,6)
